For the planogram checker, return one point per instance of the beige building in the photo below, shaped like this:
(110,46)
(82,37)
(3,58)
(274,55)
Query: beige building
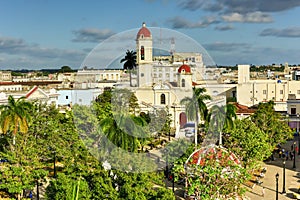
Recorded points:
(252,92)
(98,75)
(163,81)
(5,76)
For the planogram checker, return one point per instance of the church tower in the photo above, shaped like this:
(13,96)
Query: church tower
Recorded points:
(144,45)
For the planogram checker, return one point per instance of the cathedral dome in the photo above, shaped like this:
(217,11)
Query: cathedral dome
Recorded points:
(143,32)
(184,69)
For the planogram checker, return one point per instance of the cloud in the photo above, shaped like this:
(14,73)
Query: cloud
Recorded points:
(200,4)
(287,32)
(91,35)
(240,6)
(21,53)
(224,28)
(179,22)
(226,47)
(254,17)
(8,43)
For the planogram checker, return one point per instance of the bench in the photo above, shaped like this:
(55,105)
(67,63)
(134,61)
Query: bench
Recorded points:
(249,184)
(296,196)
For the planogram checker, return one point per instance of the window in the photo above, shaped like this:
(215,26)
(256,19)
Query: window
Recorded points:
(142,53)
(183,83)
(67,97)
(264,91)
(142,74)
(281,91)
(162,99)
(298,91)
(293,111)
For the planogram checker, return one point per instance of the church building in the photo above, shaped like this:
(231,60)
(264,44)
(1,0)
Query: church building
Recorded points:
(163,83)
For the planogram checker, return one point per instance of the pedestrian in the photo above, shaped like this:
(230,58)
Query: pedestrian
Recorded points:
(292,147)
(30,194)
(287,155)
(263,191)
(280,152)
(296,149)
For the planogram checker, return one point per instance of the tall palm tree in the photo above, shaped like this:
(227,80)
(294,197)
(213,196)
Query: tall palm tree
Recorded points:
(221,117)
(195,107)
(15,116)
(130,62)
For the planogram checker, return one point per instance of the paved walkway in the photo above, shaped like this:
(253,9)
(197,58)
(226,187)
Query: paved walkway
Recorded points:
(292,179)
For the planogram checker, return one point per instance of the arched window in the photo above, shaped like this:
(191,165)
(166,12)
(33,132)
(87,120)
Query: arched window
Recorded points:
(183,83)
(162,99)
(142,53)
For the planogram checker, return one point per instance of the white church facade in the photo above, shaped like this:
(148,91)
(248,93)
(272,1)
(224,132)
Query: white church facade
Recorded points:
(163,83)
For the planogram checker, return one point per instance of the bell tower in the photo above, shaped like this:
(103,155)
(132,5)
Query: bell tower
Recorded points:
(144,45)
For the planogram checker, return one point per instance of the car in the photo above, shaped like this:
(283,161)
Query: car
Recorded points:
(3,160)
(189,129)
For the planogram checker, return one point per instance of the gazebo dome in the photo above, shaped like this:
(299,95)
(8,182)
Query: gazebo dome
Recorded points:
(218,153)
(184,69)
(143,32)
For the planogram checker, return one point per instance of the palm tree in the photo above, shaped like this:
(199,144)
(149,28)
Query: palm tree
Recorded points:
(130,62)
(121,132)
(15,116)
(221,117)
(195,107)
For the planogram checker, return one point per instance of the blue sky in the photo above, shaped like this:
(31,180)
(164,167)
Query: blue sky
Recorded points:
(51,33)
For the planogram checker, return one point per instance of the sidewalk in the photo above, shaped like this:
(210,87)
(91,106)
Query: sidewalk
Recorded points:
(292,179)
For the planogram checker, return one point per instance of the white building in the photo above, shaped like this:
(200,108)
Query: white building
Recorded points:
(165,82)
(34,94)
(252,92)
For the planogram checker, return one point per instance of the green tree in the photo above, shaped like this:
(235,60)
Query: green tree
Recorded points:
(272,123)
(195,107)
(220,118)
(64,69)
(248,142)
(24,168)
(130,62)
(15,116)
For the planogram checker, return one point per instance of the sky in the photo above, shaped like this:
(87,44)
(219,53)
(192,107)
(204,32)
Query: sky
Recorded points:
(45,34)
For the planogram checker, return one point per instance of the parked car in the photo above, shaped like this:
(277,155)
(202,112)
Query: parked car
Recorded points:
(189,129)
(3,160)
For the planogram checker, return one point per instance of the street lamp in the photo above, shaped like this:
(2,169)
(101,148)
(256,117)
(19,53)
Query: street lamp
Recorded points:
(294,163)
(298,135)
(277,176)
(167,163)
(297,120)
(283,187)
(298,144)
(37,190)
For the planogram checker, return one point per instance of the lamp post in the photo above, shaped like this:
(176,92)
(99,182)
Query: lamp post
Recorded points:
(298,135)
(167,163)
(297,120)
(37,190)
(298,144)
(294,163)
(283,187)
(277,176)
